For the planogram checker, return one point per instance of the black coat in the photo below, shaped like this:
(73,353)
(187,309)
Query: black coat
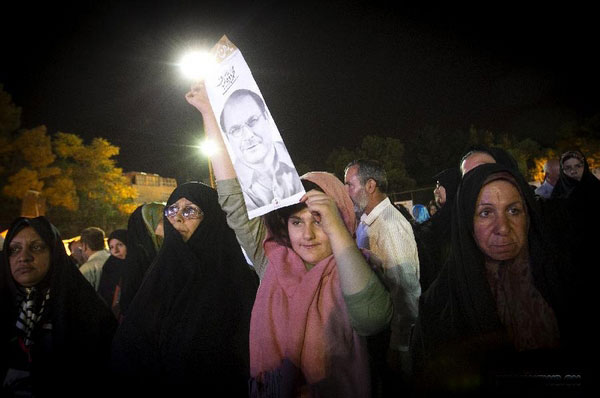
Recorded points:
(459,343)
(74,354)
(188,325)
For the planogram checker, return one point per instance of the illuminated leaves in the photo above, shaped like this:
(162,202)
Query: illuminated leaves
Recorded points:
(81,183)
(21,182)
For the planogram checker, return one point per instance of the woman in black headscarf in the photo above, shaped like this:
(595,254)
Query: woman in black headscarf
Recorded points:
(112,270)
(187,327)
(574,206)
(55,331)
(502,304)
(481,154)
(575,173)
(433,236)
(143,244)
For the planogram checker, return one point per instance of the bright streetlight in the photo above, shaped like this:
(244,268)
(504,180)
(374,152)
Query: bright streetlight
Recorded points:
(208,147)
(196,65)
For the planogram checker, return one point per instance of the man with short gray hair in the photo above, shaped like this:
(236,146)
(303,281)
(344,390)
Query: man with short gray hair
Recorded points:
(551,174)
(95,254)
(389,235)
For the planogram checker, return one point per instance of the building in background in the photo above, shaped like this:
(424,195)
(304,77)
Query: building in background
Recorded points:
(151,187)
(33,204)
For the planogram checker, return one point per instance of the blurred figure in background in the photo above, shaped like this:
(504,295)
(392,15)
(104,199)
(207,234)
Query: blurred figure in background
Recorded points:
(420,213)
(144,239)
(110,281)
(481,154)
(551,175)
(94,253)
(432,207)
(433,235)
(575,172)
(76,250)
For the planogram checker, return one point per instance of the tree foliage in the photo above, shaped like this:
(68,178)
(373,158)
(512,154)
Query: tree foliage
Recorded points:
(10,120)
(431,150)
(81,183)
(389,151)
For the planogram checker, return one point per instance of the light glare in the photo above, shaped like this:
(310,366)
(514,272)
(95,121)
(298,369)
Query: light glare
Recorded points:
(197,65)
(208,147)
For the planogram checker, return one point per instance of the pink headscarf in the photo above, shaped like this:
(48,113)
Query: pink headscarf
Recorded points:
(300,317)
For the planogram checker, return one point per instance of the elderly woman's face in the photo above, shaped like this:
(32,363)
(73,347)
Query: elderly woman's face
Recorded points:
(29,257)
(185,217)
(573,167)
(500,221)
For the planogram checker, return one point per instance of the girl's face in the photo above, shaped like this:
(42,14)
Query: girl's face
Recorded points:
(307,238)
(117,248)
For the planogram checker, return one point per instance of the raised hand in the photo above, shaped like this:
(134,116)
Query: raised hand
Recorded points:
(325,212)
(198,98)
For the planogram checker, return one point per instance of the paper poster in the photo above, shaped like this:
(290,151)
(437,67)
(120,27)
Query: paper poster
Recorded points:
(266,173)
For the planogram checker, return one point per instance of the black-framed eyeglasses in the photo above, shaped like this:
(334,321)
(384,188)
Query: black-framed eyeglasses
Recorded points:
(236,131)
(188,212)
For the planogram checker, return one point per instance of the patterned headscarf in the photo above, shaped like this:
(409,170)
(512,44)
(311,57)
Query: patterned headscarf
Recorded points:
(32,301)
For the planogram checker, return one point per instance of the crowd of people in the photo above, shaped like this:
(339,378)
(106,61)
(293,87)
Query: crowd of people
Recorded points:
(485,290)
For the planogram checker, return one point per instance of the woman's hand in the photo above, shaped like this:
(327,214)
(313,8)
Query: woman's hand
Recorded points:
(198,98)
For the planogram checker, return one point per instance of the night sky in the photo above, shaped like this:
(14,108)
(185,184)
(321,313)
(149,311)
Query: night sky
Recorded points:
(331,72)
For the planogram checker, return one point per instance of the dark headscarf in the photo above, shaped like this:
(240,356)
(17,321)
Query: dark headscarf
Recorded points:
(580,199)
(500,155)
(112,270)
(566,185)
(433,236)
(75,351)
(449,179)
(458,323)
(119,234)
(188,325)
(142,247)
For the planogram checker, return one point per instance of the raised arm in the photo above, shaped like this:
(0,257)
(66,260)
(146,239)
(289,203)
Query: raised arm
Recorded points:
(222,166)
(250,233)
(352,267)
(368,302)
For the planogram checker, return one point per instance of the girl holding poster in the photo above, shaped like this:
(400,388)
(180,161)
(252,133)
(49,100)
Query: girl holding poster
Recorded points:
(319,296)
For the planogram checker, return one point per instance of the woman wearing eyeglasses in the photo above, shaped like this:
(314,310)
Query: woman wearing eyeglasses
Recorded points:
(574,172)
(578,191)
(187,327)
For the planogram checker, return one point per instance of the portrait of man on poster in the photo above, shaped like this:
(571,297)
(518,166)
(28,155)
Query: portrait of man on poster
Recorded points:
(264,168)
